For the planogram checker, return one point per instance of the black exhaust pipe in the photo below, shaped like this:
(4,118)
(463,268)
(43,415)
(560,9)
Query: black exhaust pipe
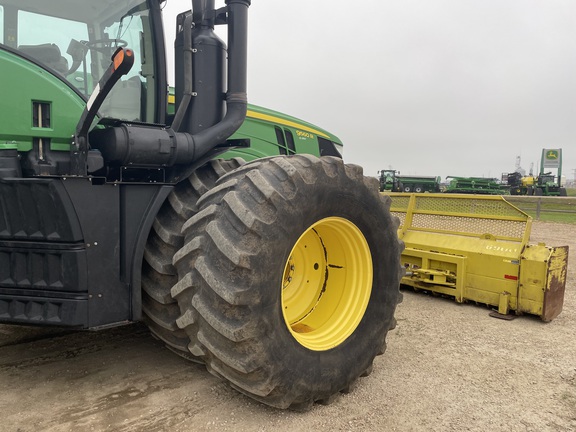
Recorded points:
(236,97)
(200,70)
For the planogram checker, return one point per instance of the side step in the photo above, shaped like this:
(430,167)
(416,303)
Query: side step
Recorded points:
(477,249)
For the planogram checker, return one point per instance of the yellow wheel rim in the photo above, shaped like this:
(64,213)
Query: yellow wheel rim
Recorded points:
(327,284)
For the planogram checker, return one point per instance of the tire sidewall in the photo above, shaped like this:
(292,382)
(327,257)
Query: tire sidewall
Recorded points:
(342,197)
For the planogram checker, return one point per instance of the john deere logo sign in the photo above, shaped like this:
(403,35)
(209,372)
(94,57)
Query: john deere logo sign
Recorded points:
(551,158)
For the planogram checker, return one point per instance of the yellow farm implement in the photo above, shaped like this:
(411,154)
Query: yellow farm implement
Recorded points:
(477,249)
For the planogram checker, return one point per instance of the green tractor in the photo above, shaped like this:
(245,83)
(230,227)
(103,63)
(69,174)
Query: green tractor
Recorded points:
(389,181)
(280,274)
(548,183)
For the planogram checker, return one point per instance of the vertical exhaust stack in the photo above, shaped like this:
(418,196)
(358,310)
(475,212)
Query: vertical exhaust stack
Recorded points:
(200,63)
(204,109)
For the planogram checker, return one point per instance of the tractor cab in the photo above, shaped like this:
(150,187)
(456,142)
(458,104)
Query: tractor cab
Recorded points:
(75,40)
(546,179)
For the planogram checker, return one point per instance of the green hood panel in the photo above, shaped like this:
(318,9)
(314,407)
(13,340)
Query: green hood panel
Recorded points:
(23,84)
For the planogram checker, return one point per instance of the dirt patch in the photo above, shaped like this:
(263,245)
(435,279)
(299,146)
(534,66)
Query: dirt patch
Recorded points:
(448,367)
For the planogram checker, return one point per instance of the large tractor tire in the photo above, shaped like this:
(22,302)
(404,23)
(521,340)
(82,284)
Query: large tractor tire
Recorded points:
(289,277)
(160,310)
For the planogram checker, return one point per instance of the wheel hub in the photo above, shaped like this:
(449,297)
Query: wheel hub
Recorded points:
(327,283)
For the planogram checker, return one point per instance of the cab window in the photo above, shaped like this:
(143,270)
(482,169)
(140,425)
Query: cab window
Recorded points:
(76,44)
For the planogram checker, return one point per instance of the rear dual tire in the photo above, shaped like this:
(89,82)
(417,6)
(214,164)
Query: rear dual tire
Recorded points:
(160,310)
(288,278)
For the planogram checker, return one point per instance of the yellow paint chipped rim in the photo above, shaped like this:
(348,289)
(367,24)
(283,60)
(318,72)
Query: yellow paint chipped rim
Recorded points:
(327,284)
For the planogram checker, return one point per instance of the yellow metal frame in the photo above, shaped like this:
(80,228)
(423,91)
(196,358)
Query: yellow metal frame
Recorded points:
(476,248)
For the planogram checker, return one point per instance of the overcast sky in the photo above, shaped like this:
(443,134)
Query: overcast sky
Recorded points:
(427,87)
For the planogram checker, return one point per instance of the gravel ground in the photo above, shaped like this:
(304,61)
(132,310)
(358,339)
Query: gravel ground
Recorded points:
(448,367)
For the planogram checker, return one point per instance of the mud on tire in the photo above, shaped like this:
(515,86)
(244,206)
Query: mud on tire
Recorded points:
(160,310)
(288,278)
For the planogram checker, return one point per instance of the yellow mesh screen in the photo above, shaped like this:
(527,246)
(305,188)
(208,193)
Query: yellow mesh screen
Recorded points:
(460,214)
(400,203)
(460,224)
(472,206)
(399,215)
